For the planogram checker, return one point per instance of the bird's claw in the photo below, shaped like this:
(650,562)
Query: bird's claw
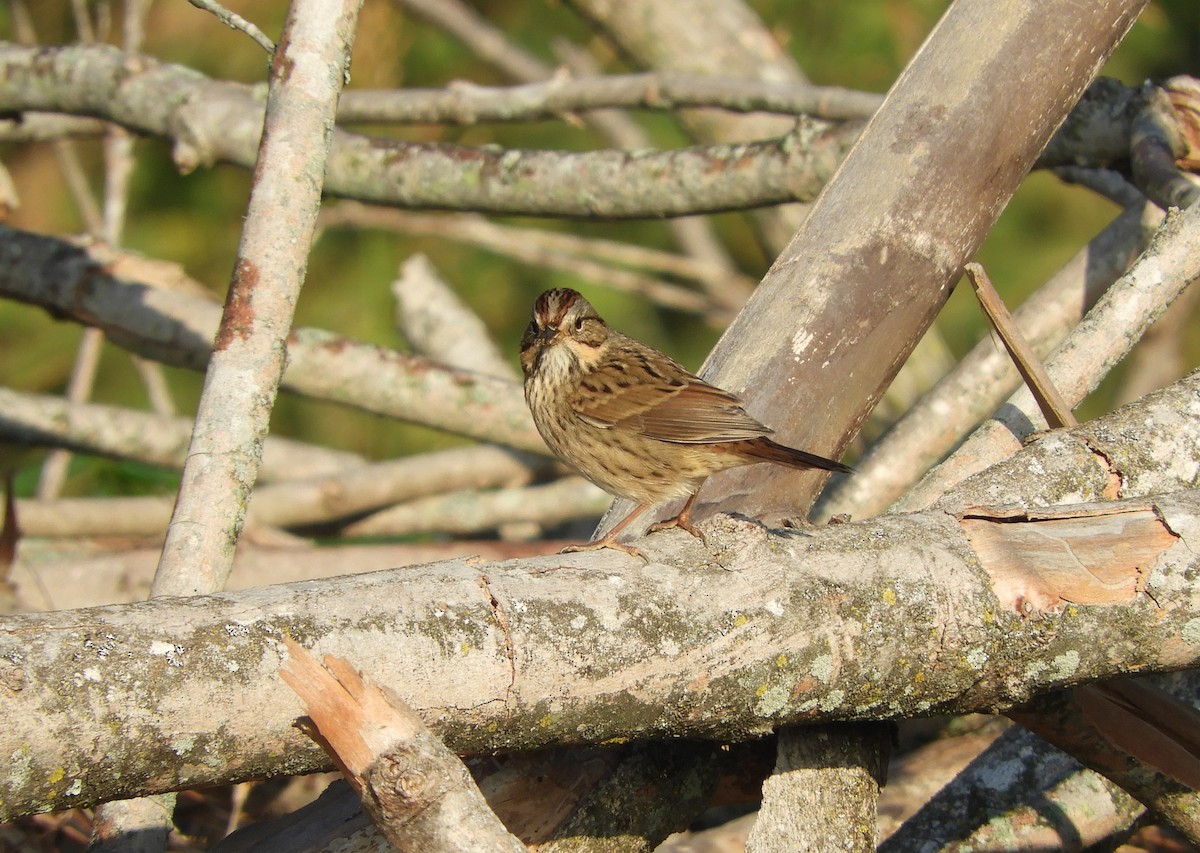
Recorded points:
(605,543)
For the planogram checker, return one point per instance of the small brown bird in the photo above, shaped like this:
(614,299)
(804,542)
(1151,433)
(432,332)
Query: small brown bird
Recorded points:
(630,419)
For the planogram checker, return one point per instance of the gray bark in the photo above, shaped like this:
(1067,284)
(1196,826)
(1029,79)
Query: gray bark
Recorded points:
(872,620)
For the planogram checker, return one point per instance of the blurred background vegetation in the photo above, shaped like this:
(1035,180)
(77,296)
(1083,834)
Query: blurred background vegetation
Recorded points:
(195,219)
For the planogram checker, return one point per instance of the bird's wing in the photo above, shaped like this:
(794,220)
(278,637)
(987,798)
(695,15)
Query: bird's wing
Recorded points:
(642,399)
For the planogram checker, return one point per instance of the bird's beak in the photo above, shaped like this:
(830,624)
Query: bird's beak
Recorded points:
(548,334)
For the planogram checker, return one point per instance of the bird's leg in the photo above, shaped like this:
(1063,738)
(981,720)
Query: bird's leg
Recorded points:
(610,539)
(683,520)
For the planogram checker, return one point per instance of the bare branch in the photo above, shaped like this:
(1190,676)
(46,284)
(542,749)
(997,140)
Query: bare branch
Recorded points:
(249,353)
(407,479)
(488,41)
(1074,802)
(417,792)
(581,256)
(824,792)
(61,574)
(568,499)
(46,421)
(177,329)
(467,103)
(440,325)
(342,494)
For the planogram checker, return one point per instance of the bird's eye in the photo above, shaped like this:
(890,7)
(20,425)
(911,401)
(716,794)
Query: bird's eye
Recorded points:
(579,324)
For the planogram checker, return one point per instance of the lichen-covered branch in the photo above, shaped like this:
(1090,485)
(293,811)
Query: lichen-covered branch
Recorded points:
(212,121)
(906,588)
(117,701)
(251,347)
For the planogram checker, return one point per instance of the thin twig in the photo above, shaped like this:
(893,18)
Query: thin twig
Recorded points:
(237,22)
(553,250)
(1054,408)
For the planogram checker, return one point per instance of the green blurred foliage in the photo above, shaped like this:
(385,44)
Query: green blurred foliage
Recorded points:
(195,219)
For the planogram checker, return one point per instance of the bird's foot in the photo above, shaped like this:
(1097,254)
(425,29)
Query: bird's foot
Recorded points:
(683,522)
(606,542)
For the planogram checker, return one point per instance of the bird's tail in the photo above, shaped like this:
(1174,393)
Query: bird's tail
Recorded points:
(771,451)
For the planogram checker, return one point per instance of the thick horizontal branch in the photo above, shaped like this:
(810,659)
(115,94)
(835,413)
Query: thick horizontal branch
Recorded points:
(179,329)
(468,103)
(869,620)
(211,121)
(103,702)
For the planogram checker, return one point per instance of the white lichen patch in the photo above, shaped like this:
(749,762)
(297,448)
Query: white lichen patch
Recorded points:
(1066,664)
(772,701)
(977,659)
(578,623)
(668,648)
(822,667)
(774,607)
(832,700)
(1191,632)
(19,766)
(1034,669)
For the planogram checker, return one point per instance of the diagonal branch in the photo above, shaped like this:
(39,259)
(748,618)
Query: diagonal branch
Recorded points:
(250,350)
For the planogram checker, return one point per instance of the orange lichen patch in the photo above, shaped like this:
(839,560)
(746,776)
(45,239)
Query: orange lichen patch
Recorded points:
(1044,559)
